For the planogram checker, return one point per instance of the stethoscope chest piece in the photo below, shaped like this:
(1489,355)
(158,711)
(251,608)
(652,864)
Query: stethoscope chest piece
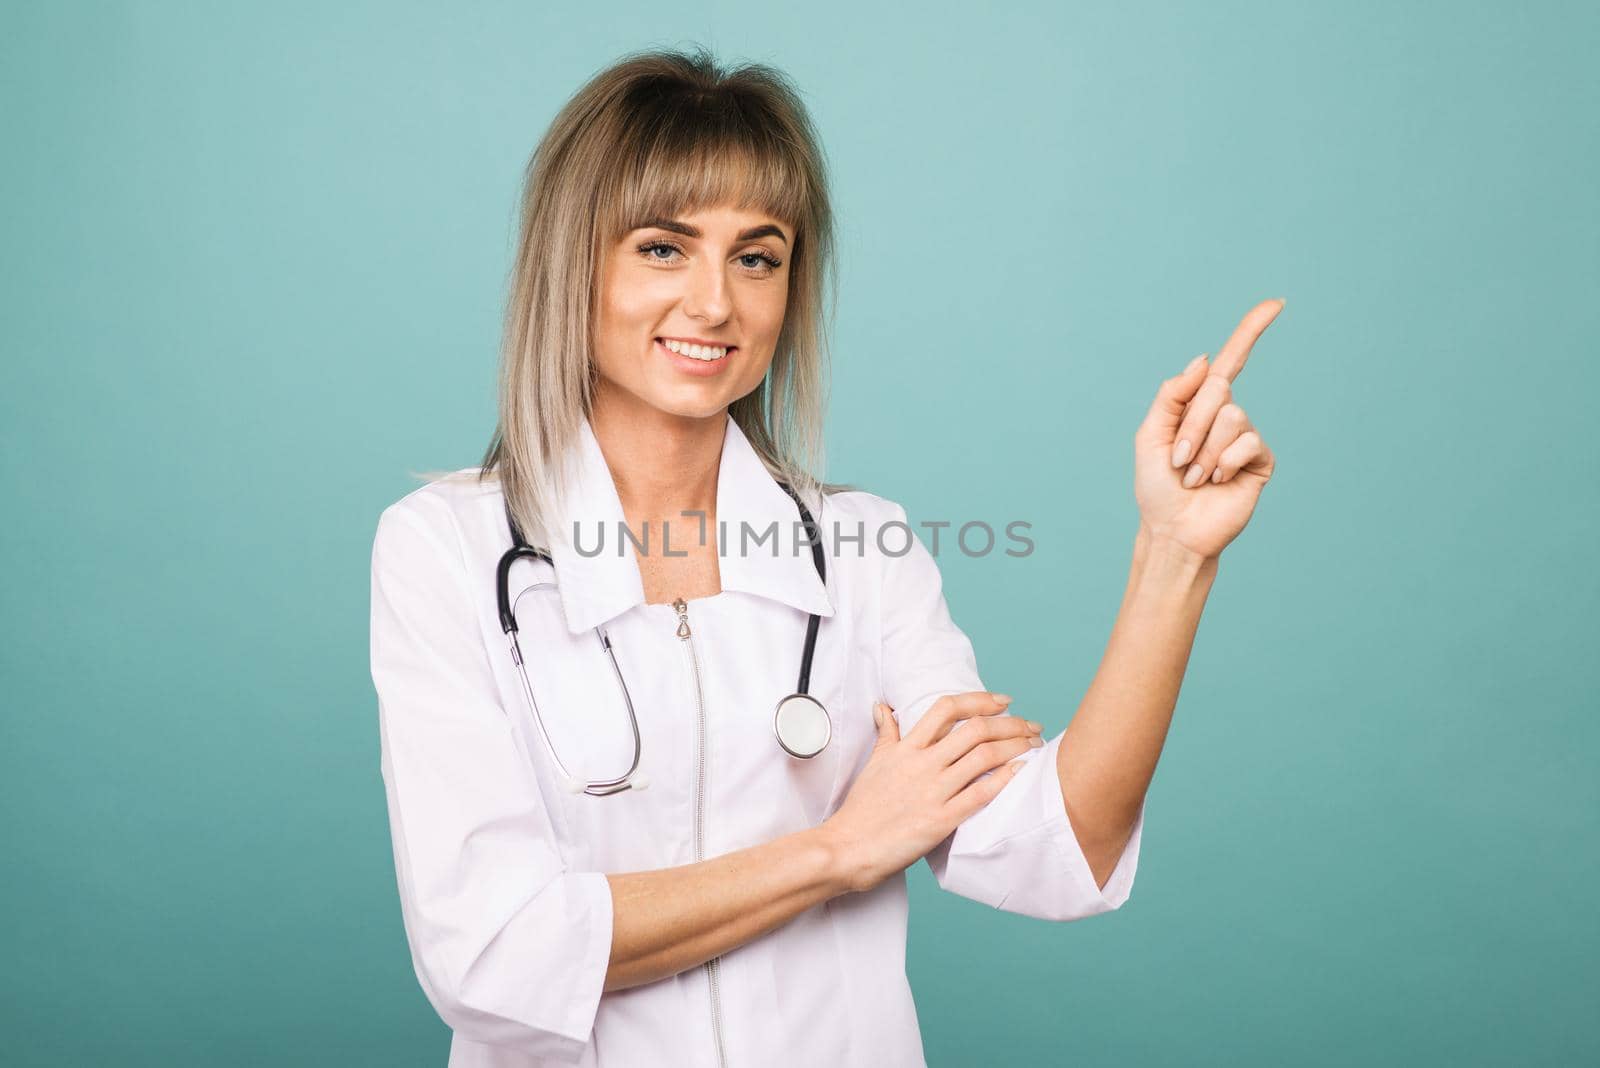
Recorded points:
(802,725)
(801,722)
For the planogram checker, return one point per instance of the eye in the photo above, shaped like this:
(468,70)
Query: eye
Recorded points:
(648,249)
(765,263)
(660,250)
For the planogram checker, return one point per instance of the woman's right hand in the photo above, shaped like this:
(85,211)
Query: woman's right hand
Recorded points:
(916,790)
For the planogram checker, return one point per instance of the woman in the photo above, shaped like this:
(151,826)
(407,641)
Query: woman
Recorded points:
(619,837)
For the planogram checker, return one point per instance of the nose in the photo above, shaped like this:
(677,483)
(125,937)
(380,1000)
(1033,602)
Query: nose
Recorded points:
(708,298)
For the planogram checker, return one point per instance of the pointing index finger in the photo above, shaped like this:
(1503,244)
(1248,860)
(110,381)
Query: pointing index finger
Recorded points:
(1230,360)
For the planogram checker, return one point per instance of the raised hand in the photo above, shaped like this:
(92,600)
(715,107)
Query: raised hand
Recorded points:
(1199,462)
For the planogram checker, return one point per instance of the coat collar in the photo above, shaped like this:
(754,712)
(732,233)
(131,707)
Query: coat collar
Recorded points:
(598,587)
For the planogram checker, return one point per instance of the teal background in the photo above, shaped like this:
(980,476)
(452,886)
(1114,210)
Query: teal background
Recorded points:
(254,259)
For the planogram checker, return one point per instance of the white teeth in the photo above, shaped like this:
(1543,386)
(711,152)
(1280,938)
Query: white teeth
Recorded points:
(697,352)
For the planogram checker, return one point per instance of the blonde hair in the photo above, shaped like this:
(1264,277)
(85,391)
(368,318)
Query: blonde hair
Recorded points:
(656,134)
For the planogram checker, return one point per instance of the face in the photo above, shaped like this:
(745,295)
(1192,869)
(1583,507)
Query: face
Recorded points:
(717,279)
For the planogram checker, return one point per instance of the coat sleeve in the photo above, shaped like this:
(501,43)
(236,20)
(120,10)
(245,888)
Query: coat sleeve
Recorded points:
(1018,853)
(510,948)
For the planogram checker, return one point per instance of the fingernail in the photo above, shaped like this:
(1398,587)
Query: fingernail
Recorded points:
(1282,301)
(1035,727)
(1180,452)
(1216,476)
(1036,742)
(1197,361)
(1003,699)
(1193,476)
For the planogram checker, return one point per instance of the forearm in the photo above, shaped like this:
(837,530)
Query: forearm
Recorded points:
(672,919)
(1109,754)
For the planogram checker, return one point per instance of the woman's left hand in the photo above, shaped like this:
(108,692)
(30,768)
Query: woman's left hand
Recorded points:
(1199,463)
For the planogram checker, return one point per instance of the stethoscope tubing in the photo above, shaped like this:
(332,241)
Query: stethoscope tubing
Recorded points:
(521,549)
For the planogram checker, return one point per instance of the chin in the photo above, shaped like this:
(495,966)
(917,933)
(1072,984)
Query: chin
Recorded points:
(686,403)
(697,407)
(680,396)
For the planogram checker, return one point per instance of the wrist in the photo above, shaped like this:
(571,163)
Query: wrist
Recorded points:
(1163,549)
(1163,568)
(839,863)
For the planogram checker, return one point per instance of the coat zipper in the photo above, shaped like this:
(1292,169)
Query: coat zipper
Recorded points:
(687,637)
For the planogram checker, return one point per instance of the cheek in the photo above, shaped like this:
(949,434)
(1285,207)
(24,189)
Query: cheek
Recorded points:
(755,372)
(764,319)
(629,310)
(774,309)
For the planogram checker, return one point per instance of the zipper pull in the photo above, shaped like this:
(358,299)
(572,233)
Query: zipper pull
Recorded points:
(683,617)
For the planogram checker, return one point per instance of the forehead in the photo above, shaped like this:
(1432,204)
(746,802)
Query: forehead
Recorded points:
(717,220)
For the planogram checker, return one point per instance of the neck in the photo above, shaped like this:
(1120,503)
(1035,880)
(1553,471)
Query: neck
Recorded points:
(662,464)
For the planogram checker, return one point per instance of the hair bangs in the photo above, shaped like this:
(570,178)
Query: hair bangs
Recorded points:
(692,158)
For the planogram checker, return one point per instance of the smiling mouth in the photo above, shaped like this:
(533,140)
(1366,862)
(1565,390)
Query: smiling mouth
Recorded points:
(703,353)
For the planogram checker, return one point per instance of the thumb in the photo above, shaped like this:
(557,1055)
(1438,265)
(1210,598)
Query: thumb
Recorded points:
(1166,411)
(888,726)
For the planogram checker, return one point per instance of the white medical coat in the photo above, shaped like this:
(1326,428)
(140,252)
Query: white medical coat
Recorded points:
(500,871)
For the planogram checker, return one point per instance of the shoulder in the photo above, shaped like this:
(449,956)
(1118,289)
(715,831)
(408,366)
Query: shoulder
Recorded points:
(439,513)
(870,529)
(884,559)
(857,504)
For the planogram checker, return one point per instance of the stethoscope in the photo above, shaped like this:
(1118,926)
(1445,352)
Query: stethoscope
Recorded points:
(800,722)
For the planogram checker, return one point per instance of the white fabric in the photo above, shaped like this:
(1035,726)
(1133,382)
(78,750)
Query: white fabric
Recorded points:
(505,905)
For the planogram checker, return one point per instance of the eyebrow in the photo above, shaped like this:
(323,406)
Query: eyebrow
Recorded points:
(686,230)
